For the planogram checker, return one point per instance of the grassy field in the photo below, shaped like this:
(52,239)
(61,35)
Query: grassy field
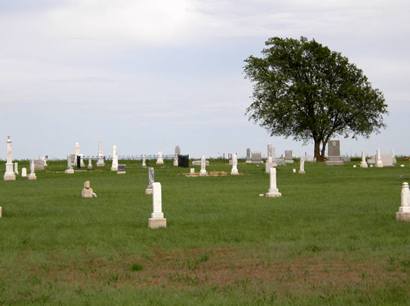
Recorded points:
(332,239)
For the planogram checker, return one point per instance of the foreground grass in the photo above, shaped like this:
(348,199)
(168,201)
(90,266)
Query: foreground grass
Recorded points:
(331,239)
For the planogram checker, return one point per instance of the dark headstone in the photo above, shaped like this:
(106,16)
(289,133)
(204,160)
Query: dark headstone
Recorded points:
(78,161)
(183,161)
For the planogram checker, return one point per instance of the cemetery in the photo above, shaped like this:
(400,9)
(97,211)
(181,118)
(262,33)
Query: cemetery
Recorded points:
(241,237)
(196,152)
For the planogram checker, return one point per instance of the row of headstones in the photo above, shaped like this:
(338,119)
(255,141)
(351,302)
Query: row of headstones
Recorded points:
(12,168)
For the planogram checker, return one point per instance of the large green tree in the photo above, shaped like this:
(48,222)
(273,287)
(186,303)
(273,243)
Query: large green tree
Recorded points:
(302,89)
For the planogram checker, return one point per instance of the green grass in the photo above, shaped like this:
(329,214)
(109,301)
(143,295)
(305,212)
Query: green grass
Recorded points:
(331,239)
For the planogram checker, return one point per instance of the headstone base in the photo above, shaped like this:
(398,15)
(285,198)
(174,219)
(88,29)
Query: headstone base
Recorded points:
(364,165)
(157,223)
(69,171)
(148,191)
(334,161)
(203,173)
(9,177)
(32,177)
(403,216)
(100,163)
(273,194)
(302,172)
(235,172)
(121,172)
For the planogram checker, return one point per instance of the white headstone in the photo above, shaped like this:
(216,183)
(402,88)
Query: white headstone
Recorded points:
(404,211)
(77,150)
(114,165)
(269,164)
(16,168)
(23,172)
(151,180)
(363,163)
(175,162)
(9,174)
(379,162)
(273,191)
(144,163)
(100,161)
(1,212)
(302,166)
(160,159)
(90,164)
(234,170)
(45,158)
(203,171)
(157,219)
(32,176)
(70,169)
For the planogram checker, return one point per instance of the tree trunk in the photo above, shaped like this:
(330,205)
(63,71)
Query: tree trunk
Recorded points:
(323,151)
(317,150)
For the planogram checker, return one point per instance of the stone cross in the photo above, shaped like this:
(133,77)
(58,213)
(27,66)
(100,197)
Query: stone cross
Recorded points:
(101,161)
(363,163)
(32,176)
(9,174)
(203,171)
(273,191)
(157,219)
(302,166)
(160,159)
(404,211)
(234,170)
(379,161)
(114,165)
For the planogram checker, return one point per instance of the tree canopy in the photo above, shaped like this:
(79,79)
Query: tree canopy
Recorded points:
(302,89)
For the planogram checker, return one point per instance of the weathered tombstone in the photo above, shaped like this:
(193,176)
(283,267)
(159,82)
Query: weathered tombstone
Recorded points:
(9,174)
(23,172)
(70,169)
(273,191)
(121,169)
(302,166)
(101,159)
(333,153)
(388,160)
(87,192)
(16,168)
(363,163)
(379,161)
(248,156)
(90,164)
(157,219)
(234,170)
(45,159)
(160,159)
(114,164)
(32,176)
(289,157)
(203,171)
(404,211)
(151,180)
(39,165)
(256,158)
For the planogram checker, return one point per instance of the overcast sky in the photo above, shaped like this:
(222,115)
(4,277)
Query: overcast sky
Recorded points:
(149,74)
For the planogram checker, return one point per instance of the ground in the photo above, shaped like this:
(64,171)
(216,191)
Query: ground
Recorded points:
(331,239)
